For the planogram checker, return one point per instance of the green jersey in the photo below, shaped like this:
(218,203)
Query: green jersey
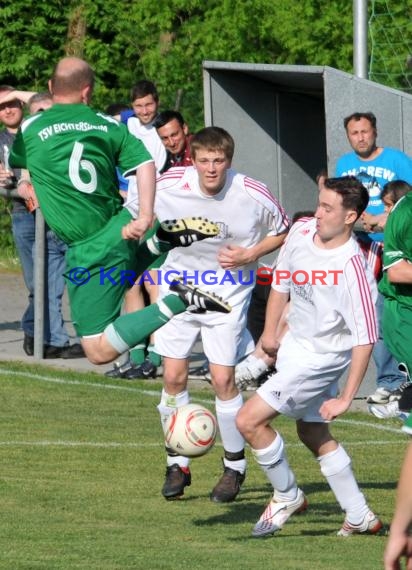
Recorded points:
(71,153)
(398,246)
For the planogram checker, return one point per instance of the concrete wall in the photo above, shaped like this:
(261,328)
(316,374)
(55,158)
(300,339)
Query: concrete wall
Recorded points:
(287,121)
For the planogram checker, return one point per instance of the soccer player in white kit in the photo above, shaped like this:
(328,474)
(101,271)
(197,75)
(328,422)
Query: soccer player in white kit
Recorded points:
(331,328)
(252,224)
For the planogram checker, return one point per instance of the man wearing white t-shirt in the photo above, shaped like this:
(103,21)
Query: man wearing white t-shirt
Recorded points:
(252,224)
(145,105)
(331,327)
(143,360)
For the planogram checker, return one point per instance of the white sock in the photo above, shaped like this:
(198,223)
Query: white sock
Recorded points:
(233,441)
(168,403)
(275,465)
(336,467)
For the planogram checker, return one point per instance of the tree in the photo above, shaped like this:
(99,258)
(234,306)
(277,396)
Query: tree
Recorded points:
(166,41)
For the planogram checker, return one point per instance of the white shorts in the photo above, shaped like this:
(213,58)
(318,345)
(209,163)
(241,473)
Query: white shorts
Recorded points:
(303,381)
(225,337)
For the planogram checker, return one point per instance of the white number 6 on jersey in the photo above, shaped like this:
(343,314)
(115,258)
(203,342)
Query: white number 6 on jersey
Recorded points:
(76,163)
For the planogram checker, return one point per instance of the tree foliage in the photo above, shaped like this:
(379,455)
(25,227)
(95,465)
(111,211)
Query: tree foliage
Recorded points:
(166,41)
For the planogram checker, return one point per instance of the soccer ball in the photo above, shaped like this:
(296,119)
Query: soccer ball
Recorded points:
(191,430)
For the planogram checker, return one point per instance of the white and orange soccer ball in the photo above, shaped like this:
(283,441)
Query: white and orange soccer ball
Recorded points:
(191,430)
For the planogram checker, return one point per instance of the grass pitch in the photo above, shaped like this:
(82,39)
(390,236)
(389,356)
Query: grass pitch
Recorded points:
(82,465)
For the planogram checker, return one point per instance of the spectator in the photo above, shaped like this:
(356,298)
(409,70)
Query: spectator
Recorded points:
(375,165)
(143,360)
(56,338)
(139,120)
(174,134)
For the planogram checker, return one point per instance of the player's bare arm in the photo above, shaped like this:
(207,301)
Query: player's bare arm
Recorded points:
(146,184)
(374,223)
(359,363)
(23,96)
(232,256)
(274,310)
(401,272)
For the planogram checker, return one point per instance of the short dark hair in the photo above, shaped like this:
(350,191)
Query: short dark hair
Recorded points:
(166,116)
(353,192)
(142,89)
(368,115)
(396,189)
(213,138)
(116,108)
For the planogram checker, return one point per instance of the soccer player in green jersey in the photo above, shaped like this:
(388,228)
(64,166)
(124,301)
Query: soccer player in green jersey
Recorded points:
(71,153)
(396,284)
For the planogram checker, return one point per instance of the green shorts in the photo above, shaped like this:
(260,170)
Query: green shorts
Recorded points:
(99,271)
(397,330)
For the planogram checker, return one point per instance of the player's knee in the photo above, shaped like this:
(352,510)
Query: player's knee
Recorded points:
(95,357)
(245,423)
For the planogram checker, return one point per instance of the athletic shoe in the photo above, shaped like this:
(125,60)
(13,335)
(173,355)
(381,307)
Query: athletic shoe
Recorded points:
(200,373)
(403,367)
(397,394)
(199,301)
(119,370)
(381,396)
(277,513)
(371,524)
(387,411)
(248,372)
(175,482)
(145,370)
(263,377)
(184,232)
(227,488)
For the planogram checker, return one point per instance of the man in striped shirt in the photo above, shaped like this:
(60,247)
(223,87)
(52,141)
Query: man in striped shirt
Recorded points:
(331,328)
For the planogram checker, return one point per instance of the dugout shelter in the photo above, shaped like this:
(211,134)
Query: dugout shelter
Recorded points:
(287,121)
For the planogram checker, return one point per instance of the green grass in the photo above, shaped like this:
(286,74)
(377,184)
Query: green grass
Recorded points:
(82,465)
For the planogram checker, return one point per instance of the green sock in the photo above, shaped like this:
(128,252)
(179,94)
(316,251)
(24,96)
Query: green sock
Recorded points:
(154,356)
(137,354)
(134,327)
(150,248)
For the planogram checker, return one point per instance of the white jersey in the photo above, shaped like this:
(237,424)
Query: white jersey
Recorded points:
(245,212)
(332,292)
(148,135)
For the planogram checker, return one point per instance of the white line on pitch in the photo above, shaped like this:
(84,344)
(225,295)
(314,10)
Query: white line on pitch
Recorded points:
(116,444)
(379,427)
(92,384)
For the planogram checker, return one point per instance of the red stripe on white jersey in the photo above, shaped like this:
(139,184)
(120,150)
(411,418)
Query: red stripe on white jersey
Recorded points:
(264,191)
(366,298)
(175,173)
